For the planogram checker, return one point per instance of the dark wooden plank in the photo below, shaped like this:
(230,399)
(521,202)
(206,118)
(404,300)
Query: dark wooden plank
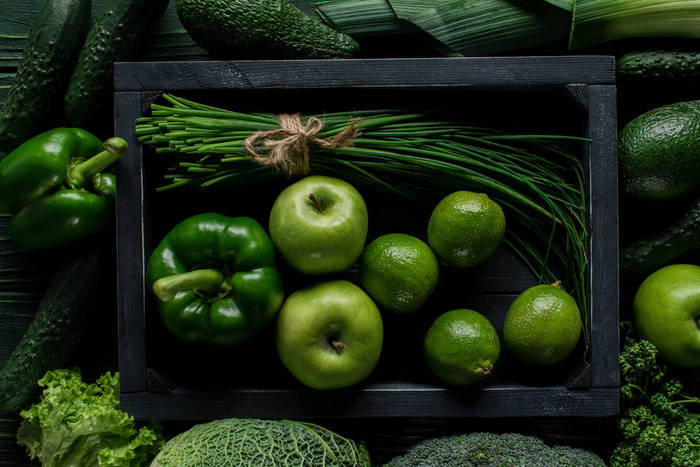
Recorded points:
(130,253)
(604,280)
(429,72)
(386,400)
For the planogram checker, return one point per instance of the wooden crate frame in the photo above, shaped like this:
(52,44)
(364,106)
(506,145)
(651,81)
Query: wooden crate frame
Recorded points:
(588,79)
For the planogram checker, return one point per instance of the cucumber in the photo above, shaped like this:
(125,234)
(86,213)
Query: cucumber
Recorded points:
(650,253)
(659,64)
(52,336)
(117,35)
(261,29)
(34,100)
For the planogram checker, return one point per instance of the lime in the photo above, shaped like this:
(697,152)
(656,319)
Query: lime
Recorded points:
(399,272)
(465,228)
(461,347)
(542,325)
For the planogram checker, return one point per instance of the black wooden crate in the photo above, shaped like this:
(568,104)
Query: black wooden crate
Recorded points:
(164,379)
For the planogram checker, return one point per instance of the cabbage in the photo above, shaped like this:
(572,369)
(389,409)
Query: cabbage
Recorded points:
(253,442)
(80,424)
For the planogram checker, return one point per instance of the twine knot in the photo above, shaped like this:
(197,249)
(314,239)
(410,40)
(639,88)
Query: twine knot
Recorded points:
(290,143)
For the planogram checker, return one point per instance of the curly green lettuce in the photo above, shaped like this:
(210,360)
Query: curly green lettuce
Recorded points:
(76,423)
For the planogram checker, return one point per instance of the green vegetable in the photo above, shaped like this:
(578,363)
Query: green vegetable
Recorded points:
(657,426)
(659,64)
(80,424)
(42,76)
(260,28)
(216,280)
(482,27)
(56,195)
(652,252)
(474,27)
(597,21)
(537,182)
(253,442)
(55,332)
(510,449)
(659,152)
(117,36)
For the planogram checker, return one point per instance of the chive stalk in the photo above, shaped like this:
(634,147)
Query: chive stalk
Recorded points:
(536,179)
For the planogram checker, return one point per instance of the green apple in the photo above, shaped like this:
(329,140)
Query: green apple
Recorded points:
(329,335)
(667,313)
(319,225)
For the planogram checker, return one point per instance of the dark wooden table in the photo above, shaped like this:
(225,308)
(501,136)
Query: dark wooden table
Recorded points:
(24,277)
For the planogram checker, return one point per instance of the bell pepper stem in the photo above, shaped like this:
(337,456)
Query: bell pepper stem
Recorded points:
(205,280)
(85,171)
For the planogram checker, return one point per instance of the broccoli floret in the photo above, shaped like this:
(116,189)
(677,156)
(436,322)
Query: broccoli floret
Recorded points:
(658,427)
(489,449)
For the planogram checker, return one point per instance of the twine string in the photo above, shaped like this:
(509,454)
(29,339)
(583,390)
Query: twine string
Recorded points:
(289,144)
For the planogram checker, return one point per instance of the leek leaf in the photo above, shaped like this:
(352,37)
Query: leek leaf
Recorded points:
(483,27)
(405,9)
(567,5)
(597,21)
(360,17)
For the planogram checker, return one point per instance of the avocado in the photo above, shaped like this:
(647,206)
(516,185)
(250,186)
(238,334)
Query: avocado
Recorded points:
(659,152)
(659,64)
(260,29)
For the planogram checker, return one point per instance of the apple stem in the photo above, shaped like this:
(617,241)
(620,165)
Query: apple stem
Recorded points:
(557,284)
(316,203)
(486,371)
(337,345)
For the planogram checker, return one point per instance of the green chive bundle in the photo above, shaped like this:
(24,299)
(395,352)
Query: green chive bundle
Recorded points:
(534,178)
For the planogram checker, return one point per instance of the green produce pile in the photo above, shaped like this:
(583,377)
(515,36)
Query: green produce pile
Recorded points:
(80,424)
(215,277)
(658,425)
(534,178)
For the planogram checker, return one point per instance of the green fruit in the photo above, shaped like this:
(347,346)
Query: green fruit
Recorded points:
(33,102)
(329,335)
(659,152)
(465,228)
(261,29)
(399,272)
(667,313)
(461,347)
(659,64)
(542,325)
(319,225)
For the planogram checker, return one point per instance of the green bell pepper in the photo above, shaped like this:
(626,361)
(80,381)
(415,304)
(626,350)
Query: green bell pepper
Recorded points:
(53,186)
(215,279)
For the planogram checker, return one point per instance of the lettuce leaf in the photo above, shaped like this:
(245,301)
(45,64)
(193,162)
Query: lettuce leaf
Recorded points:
(80,424)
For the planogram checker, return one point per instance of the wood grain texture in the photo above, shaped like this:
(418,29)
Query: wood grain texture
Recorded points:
(400,72)
(386,400)
(130,267)
(604,252)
